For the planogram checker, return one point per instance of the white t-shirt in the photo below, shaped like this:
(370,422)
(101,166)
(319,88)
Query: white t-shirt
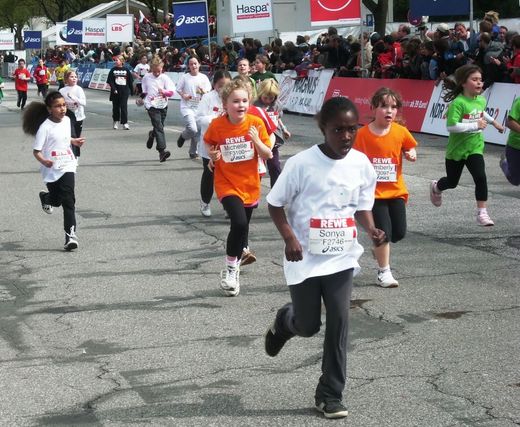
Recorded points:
(53,140)
(321,196)
(141,70)
(195,86)
(210,106)
(151,86)
(75,100)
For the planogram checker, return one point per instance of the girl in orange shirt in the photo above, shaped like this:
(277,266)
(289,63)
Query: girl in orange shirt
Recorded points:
(234,143)
(385,142)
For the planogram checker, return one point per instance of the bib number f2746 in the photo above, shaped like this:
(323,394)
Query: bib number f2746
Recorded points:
(333,236)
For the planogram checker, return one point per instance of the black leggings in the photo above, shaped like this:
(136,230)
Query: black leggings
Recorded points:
(206,182)
(22,98)
(239,217)
(61,193)
(390,216)
(477,169)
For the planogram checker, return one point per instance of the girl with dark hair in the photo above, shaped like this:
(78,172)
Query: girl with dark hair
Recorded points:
(466,119)
(52,148)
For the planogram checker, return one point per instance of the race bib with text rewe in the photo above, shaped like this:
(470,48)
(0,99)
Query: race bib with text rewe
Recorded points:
(386,169)
(331,236)
(62,159)
(159,102)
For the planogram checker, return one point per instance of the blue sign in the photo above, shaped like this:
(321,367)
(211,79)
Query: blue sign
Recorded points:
(191,19)
(74,32)
(32,39)
(439,7)
(84,73)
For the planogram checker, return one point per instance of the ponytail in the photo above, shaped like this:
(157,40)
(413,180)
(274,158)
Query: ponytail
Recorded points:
(37,112)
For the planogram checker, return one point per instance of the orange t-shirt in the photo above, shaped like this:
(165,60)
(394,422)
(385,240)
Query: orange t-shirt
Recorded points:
(236,173)
(386,155)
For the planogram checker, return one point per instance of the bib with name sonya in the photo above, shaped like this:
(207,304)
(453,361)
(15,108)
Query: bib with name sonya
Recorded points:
(333,236)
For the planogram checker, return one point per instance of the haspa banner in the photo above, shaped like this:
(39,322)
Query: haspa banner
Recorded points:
(251,15)
(6,41)
(95,30)
(416,96)
(335,12)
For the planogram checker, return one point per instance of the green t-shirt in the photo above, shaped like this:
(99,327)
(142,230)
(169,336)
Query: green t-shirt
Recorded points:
(514,137)
(463,144)
(260,77)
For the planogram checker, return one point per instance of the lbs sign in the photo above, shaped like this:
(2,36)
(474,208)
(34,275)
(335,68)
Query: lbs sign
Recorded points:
(191,19)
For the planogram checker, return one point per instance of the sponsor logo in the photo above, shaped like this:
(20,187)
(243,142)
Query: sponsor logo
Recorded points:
(117,28)
(31,40)
(261,8)
(74,32)
(94,30)
(334,6)
(201,19)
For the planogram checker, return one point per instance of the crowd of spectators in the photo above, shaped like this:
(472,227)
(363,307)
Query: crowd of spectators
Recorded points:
(409,52)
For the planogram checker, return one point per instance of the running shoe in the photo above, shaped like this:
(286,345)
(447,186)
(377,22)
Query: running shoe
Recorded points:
(71,240)
(435,194)
(149,141)
(247,257)
(386,280)
(180,141)
(205,209)
(163,155)
(332,409)
(273,342)
(229,281)
(45,206)
(484,220)
(116,125)
(126,126)
(503,165)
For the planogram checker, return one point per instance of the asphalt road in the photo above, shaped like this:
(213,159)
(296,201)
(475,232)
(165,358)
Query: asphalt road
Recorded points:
(131,329)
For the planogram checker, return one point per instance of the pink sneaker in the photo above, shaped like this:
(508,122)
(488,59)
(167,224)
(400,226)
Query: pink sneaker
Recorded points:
(484,220)
(435,194)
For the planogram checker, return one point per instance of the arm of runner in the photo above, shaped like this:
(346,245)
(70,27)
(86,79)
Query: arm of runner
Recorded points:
(293,248)
(366,220)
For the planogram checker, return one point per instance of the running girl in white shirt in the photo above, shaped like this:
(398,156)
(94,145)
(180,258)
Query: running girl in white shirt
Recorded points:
(76,101)
(320,195)
(52,148)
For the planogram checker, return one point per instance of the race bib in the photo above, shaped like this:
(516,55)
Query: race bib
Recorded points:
(120,81)
(386,169)
(237,152)
(159,102)
(41,72)
(331,236)
(62,159)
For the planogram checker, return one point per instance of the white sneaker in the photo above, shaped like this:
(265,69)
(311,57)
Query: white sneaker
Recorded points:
(386,280)
(71,240)
(484,220)
(435,194)
(126,126)
(229,281)
(116,125)
(205,209)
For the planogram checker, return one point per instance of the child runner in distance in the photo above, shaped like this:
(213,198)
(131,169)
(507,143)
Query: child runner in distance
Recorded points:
(315,204)
(191,86)
(510,162)
(385,143)
(210,107)
(52,148)
(76,101)
(268,91)
(157,88)
(21,78)
(244,69)
(235,142)
(262,65)
(466,119)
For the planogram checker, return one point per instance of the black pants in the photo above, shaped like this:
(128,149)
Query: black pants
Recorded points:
(390,216)
(477,169)
(22,98)
(239,217)
(206,182)
(158,116)
(75,131)
(120,106)
(43,89)
(302,317)
(61,193)
(273,166)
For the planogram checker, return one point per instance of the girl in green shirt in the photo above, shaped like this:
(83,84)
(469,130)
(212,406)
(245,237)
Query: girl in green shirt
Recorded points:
(510,162)
(466,119)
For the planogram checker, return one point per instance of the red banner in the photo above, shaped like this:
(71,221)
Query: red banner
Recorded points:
(334,12)
(415,94)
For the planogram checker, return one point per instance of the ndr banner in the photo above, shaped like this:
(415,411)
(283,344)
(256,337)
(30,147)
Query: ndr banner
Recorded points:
(94,30)
(251,15)
(334,12)
(32,39)
(120,28)
(191,19)
(6,41)
(74,32)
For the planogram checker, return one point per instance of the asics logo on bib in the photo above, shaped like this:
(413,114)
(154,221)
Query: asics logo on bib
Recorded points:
(190,20)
